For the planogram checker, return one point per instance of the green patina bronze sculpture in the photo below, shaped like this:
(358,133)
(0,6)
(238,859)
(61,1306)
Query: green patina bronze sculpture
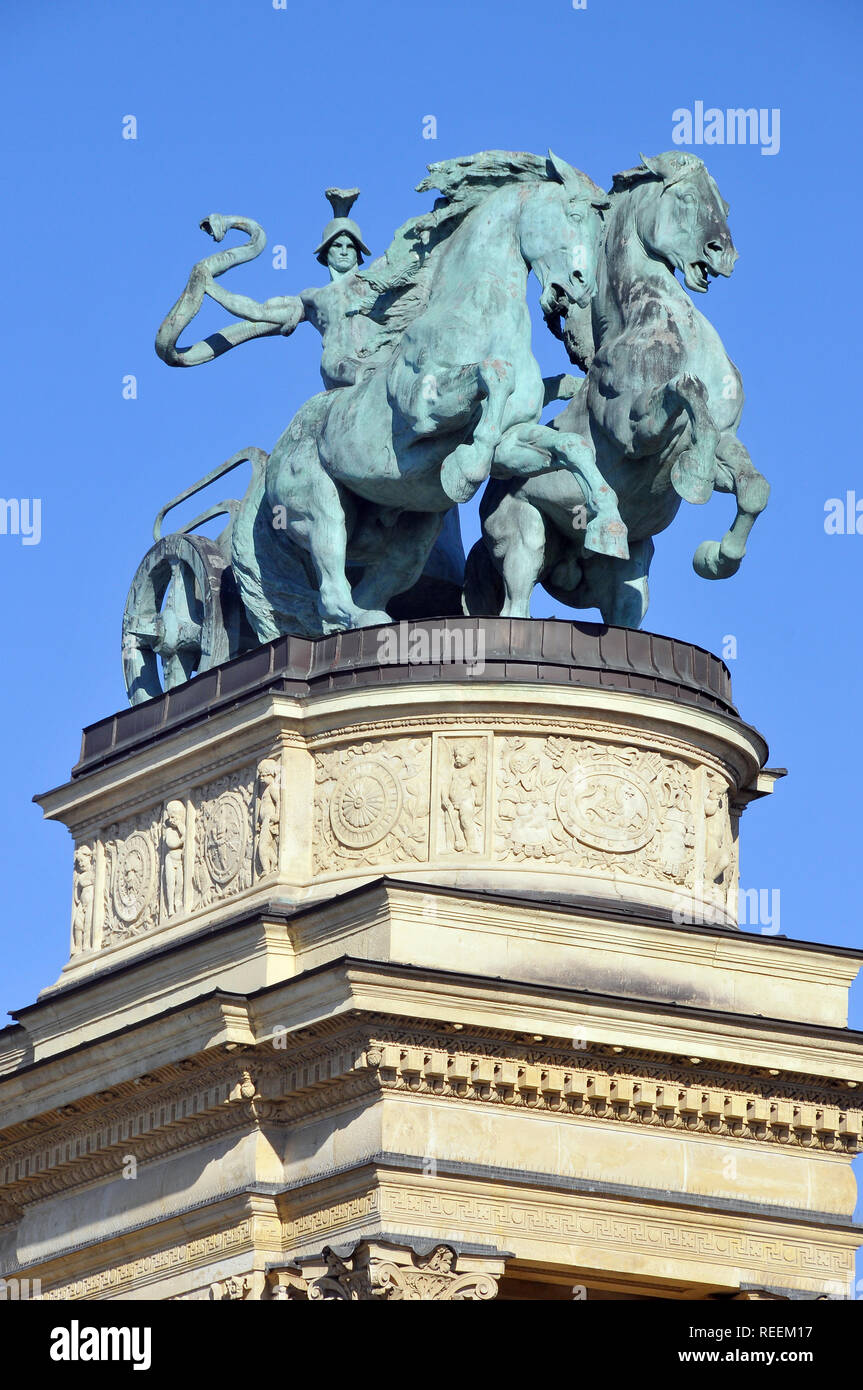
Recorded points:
(661,402)
(431,389)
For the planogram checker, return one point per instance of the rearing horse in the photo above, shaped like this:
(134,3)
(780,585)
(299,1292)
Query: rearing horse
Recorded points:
(661,401)
(364,475)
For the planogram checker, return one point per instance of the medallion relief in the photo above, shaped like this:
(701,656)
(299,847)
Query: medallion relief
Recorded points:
(132,878)
(371,803)
(223,840)
(601,806)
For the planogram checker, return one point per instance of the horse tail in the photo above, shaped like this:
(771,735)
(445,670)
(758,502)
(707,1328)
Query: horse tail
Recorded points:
(484,593)
(274,580)
(200,280)
(274,575)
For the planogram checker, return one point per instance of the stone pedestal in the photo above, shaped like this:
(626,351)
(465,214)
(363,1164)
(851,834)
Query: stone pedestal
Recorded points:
(405,965)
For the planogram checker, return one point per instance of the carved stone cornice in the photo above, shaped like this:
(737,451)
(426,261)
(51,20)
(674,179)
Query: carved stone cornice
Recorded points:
(602,1089)
(595,1083)
(92,1146)
(316,1070)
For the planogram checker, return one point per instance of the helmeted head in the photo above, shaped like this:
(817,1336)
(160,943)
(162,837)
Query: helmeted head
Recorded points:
(560,233)
(342,247)
(681,216)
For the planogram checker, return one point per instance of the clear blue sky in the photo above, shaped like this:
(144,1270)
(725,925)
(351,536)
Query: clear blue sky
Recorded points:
(243,108)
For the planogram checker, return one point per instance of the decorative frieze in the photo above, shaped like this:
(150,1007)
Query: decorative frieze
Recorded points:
(463,795)
(646,1234)
(148,1268)
(647,817)
(597,807)
(372,804)
(131,901)
(181,857)
(626,812)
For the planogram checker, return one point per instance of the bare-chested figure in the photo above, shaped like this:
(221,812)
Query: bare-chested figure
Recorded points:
(82,899)
(350,338)
(462,797)
(174,836)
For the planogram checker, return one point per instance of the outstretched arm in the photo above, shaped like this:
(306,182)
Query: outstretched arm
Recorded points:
(279,315)
(285,311)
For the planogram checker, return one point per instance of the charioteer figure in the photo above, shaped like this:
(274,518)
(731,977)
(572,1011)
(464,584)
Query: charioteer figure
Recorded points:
(350,339)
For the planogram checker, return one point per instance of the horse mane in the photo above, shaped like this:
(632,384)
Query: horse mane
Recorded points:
(668,168)
(400,280)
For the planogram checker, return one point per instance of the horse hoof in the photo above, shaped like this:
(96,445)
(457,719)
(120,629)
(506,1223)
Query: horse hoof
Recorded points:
(607,537)
(456,479)
(372,617)
(692,479)
(709,562)
(330,626)
(348,622)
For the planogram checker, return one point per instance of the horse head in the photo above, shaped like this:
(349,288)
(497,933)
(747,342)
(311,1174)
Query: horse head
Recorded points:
(560,236)
(681,217)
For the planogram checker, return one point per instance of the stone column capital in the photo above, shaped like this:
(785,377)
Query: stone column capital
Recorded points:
(379,1270)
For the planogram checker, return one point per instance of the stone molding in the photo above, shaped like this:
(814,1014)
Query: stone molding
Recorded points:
(596,1224)
(315,1073)
(125,1274)
(540,652)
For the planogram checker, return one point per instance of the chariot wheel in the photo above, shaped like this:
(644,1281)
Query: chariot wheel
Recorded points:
(183,613)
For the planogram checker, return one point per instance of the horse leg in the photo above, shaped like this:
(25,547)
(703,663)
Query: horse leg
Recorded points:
(619,588)
(514,533)
(312,509)
(531,448)
(734,473)
(654,414)
(469,464)
(394,555)
(693,471)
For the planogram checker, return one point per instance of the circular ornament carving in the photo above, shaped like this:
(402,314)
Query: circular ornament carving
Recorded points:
(365,804)
(607,808)
(134,876)
(225,831)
